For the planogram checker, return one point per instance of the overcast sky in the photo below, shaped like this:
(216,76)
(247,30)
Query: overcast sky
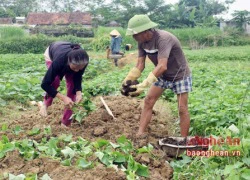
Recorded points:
(237,5)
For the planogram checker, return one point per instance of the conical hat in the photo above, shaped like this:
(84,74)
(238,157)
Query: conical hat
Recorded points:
(114,33)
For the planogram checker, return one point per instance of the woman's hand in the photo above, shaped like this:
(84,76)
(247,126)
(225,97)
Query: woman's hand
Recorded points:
(68,102)
(78,96)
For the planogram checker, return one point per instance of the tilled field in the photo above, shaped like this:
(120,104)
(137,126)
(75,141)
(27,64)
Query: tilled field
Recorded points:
(99,124)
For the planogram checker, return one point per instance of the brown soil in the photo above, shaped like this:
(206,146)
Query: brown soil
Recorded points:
(14,164)
(126,89)
(129,57)
(99,124)
(174,141)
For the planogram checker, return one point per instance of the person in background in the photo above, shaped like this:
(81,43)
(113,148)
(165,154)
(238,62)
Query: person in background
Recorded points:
(171,70)
(115,45)
(69,60)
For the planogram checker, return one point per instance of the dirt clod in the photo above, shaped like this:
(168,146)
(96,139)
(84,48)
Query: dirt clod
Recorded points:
(99,131)
(126,89)
(175,142)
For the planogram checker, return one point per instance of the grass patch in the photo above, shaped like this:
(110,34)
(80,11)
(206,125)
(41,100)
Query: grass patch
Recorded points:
(8,33)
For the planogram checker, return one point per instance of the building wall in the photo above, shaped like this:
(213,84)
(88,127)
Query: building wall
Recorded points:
(248,28)
(20,20)
(6,21)
(223,24)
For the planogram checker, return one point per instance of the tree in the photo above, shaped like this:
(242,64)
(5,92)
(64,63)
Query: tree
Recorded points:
(201,11)
(157,11)
(18,7)
(180,16)
(241,18)
(23,7)
(4,13)
(61,5)
(122,10)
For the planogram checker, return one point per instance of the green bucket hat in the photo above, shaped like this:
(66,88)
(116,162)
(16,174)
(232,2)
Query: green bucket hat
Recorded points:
(139,23)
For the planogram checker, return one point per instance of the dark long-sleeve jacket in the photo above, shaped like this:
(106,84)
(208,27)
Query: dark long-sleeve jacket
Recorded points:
(58,53)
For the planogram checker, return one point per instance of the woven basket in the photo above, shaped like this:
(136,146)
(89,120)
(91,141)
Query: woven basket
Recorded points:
(115,56)
(176,150)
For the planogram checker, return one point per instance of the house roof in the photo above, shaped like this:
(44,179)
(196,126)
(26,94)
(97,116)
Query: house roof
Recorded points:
(5,20)
(113,23)
(59,18)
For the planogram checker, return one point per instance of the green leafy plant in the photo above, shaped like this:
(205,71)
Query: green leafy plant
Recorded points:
(17,130)
(5,146)
(34,131)
(28,176)
(83,108)
(26,149)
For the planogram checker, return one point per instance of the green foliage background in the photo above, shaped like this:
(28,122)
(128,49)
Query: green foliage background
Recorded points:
(16,40)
